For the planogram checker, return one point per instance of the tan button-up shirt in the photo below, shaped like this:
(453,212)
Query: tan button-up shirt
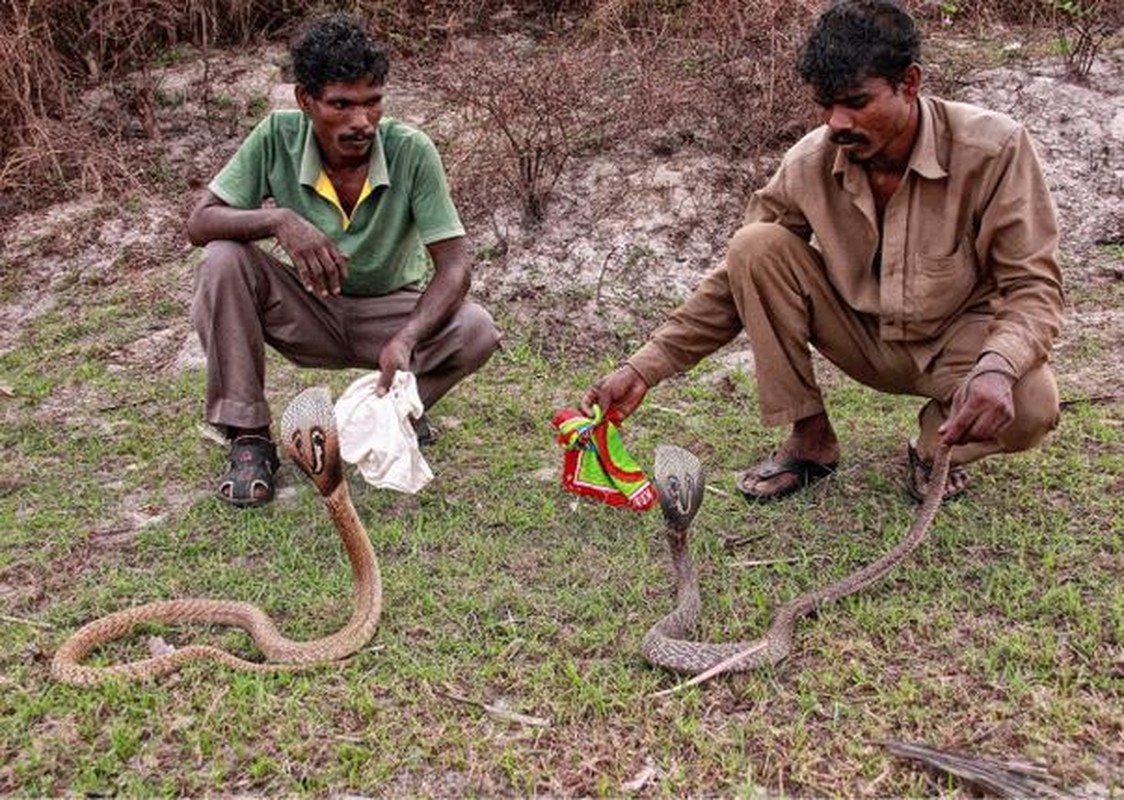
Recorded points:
(971,229)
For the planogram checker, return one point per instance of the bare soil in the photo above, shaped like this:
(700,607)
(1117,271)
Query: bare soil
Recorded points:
(627,236)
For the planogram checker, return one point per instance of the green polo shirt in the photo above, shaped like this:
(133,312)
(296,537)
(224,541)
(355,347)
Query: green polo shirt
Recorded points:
(405,204)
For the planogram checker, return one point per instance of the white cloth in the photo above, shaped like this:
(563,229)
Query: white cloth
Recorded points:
(376,434)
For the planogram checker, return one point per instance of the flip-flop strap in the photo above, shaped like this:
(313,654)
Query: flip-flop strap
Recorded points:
(801,467)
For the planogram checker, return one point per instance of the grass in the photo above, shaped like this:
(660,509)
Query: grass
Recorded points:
(1003,634)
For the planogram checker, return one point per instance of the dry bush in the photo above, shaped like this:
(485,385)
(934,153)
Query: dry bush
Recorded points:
(414,26)
(982,14)
(50,50)
(528,109)
(751,97)
(1083,27)
(718,73)
(714,73)
(721,73)
(32,90)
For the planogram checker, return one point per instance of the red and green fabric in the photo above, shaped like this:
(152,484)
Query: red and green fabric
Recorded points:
(596,463)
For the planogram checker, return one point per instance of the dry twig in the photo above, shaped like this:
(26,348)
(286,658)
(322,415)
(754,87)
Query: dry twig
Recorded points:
(499,710)
(1014,779)
(34,623)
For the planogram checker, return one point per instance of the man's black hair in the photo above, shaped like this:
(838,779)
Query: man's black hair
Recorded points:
(857,39)
(337,49)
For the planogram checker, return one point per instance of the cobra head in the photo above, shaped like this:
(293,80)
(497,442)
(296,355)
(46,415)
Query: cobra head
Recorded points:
(680,482)
(310,437)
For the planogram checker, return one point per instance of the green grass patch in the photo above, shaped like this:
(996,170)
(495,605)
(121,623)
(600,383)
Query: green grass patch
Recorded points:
(1003,633)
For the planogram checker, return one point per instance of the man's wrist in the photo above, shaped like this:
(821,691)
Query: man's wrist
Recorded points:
(992,363)
(635,372)
(277,219)
(650,363)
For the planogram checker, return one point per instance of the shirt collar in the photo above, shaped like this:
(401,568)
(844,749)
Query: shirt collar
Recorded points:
(923,160)
(312,166)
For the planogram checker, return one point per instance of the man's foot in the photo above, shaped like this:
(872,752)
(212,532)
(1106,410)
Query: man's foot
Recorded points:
(918,472)
(779,476)
(809,453)
(426,433)
(249,481)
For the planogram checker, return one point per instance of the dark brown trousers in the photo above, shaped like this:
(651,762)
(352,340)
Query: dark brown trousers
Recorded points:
(246,298)
(786,302)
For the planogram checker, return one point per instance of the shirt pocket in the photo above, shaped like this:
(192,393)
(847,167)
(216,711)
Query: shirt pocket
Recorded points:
(942,284)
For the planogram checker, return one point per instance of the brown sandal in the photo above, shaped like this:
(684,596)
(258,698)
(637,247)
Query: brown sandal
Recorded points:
(918,473)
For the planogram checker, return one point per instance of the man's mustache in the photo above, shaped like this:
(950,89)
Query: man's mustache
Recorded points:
(844,137)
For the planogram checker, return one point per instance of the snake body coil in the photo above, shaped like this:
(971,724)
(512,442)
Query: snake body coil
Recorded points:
(310,437)
(668,643)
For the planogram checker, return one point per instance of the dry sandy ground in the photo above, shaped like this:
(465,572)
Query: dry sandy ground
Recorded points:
(628,234)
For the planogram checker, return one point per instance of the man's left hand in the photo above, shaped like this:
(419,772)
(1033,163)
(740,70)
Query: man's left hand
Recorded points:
(982,408)
(395,356)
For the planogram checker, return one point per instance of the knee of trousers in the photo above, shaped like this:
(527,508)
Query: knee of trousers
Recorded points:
(222,261)
(761,250)
(226,271)
(1037,410)
(477,336)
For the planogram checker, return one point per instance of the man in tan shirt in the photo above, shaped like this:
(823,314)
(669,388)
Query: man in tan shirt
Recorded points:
(912,241)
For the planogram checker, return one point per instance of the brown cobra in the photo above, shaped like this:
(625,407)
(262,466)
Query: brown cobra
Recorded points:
(680,481)
(310,438)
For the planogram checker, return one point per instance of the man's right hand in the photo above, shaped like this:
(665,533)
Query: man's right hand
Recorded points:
(619,392)
(321,265)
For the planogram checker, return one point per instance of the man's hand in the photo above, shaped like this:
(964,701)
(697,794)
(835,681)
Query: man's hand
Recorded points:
(395,355)
(436,306)
(321,265)
(621,391)
(982,407)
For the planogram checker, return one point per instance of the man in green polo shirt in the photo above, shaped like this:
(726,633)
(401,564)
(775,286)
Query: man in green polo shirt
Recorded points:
(349,209)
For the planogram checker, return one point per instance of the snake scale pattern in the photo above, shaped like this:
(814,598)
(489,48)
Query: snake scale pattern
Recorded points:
(310,437)
(670,644)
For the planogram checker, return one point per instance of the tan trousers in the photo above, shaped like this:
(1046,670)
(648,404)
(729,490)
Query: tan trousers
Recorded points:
(786,303)
(246,298)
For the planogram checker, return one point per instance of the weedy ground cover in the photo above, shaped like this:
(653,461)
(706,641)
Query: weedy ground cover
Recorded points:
(505,596)
(506,662)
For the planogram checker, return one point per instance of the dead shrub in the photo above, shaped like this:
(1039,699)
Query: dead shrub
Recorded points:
(62,161)
(716,73)
(566,76)
(32,88)
(1082,28)
(52,49)
(980,14)
(528,109)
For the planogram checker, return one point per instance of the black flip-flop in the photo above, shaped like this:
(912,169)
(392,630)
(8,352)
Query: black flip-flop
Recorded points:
(806,470)
(249,481)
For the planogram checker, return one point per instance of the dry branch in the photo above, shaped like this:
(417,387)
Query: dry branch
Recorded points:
(1002,778)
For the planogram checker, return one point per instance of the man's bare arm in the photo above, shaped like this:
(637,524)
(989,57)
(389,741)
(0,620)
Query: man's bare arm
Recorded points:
(440,300)
(321,265)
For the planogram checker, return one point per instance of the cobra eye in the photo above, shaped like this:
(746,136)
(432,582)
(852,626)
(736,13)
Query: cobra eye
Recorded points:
(318,439)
